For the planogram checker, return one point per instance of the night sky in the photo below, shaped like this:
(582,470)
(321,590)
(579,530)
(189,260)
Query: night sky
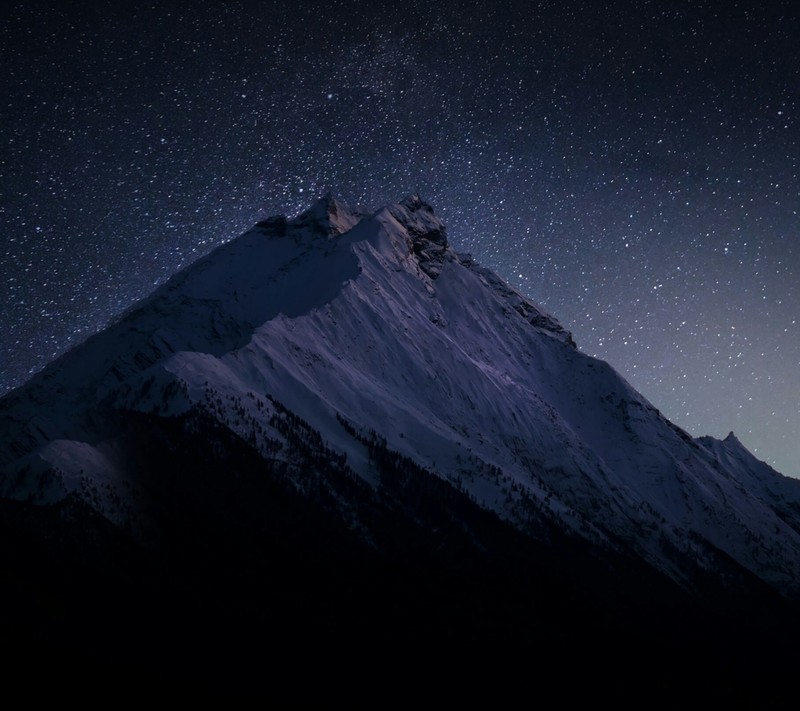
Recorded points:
(632,167)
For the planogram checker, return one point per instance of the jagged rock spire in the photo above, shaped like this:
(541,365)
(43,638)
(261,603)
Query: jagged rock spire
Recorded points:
(427,233)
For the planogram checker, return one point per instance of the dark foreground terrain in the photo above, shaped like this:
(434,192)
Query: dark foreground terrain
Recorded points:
(249,588)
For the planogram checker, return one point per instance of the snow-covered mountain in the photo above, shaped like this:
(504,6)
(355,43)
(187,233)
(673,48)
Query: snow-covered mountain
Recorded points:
(338,334)
(334,444)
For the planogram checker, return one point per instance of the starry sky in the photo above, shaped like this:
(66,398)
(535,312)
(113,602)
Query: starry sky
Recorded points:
(630,166)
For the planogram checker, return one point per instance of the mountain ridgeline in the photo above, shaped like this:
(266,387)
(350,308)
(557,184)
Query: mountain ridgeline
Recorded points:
(337,433)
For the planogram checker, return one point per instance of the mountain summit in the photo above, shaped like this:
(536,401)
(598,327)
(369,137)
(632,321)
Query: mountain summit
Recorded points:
(344,392)
(327,216)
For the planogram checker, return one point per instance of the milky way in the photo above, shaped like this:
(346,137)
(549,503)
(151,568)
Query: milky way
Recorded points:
(632,167)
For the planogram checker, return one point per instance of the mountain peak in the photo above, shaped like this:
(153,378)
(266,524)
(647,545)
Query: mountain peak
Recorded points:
(328,216)
(414,202)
